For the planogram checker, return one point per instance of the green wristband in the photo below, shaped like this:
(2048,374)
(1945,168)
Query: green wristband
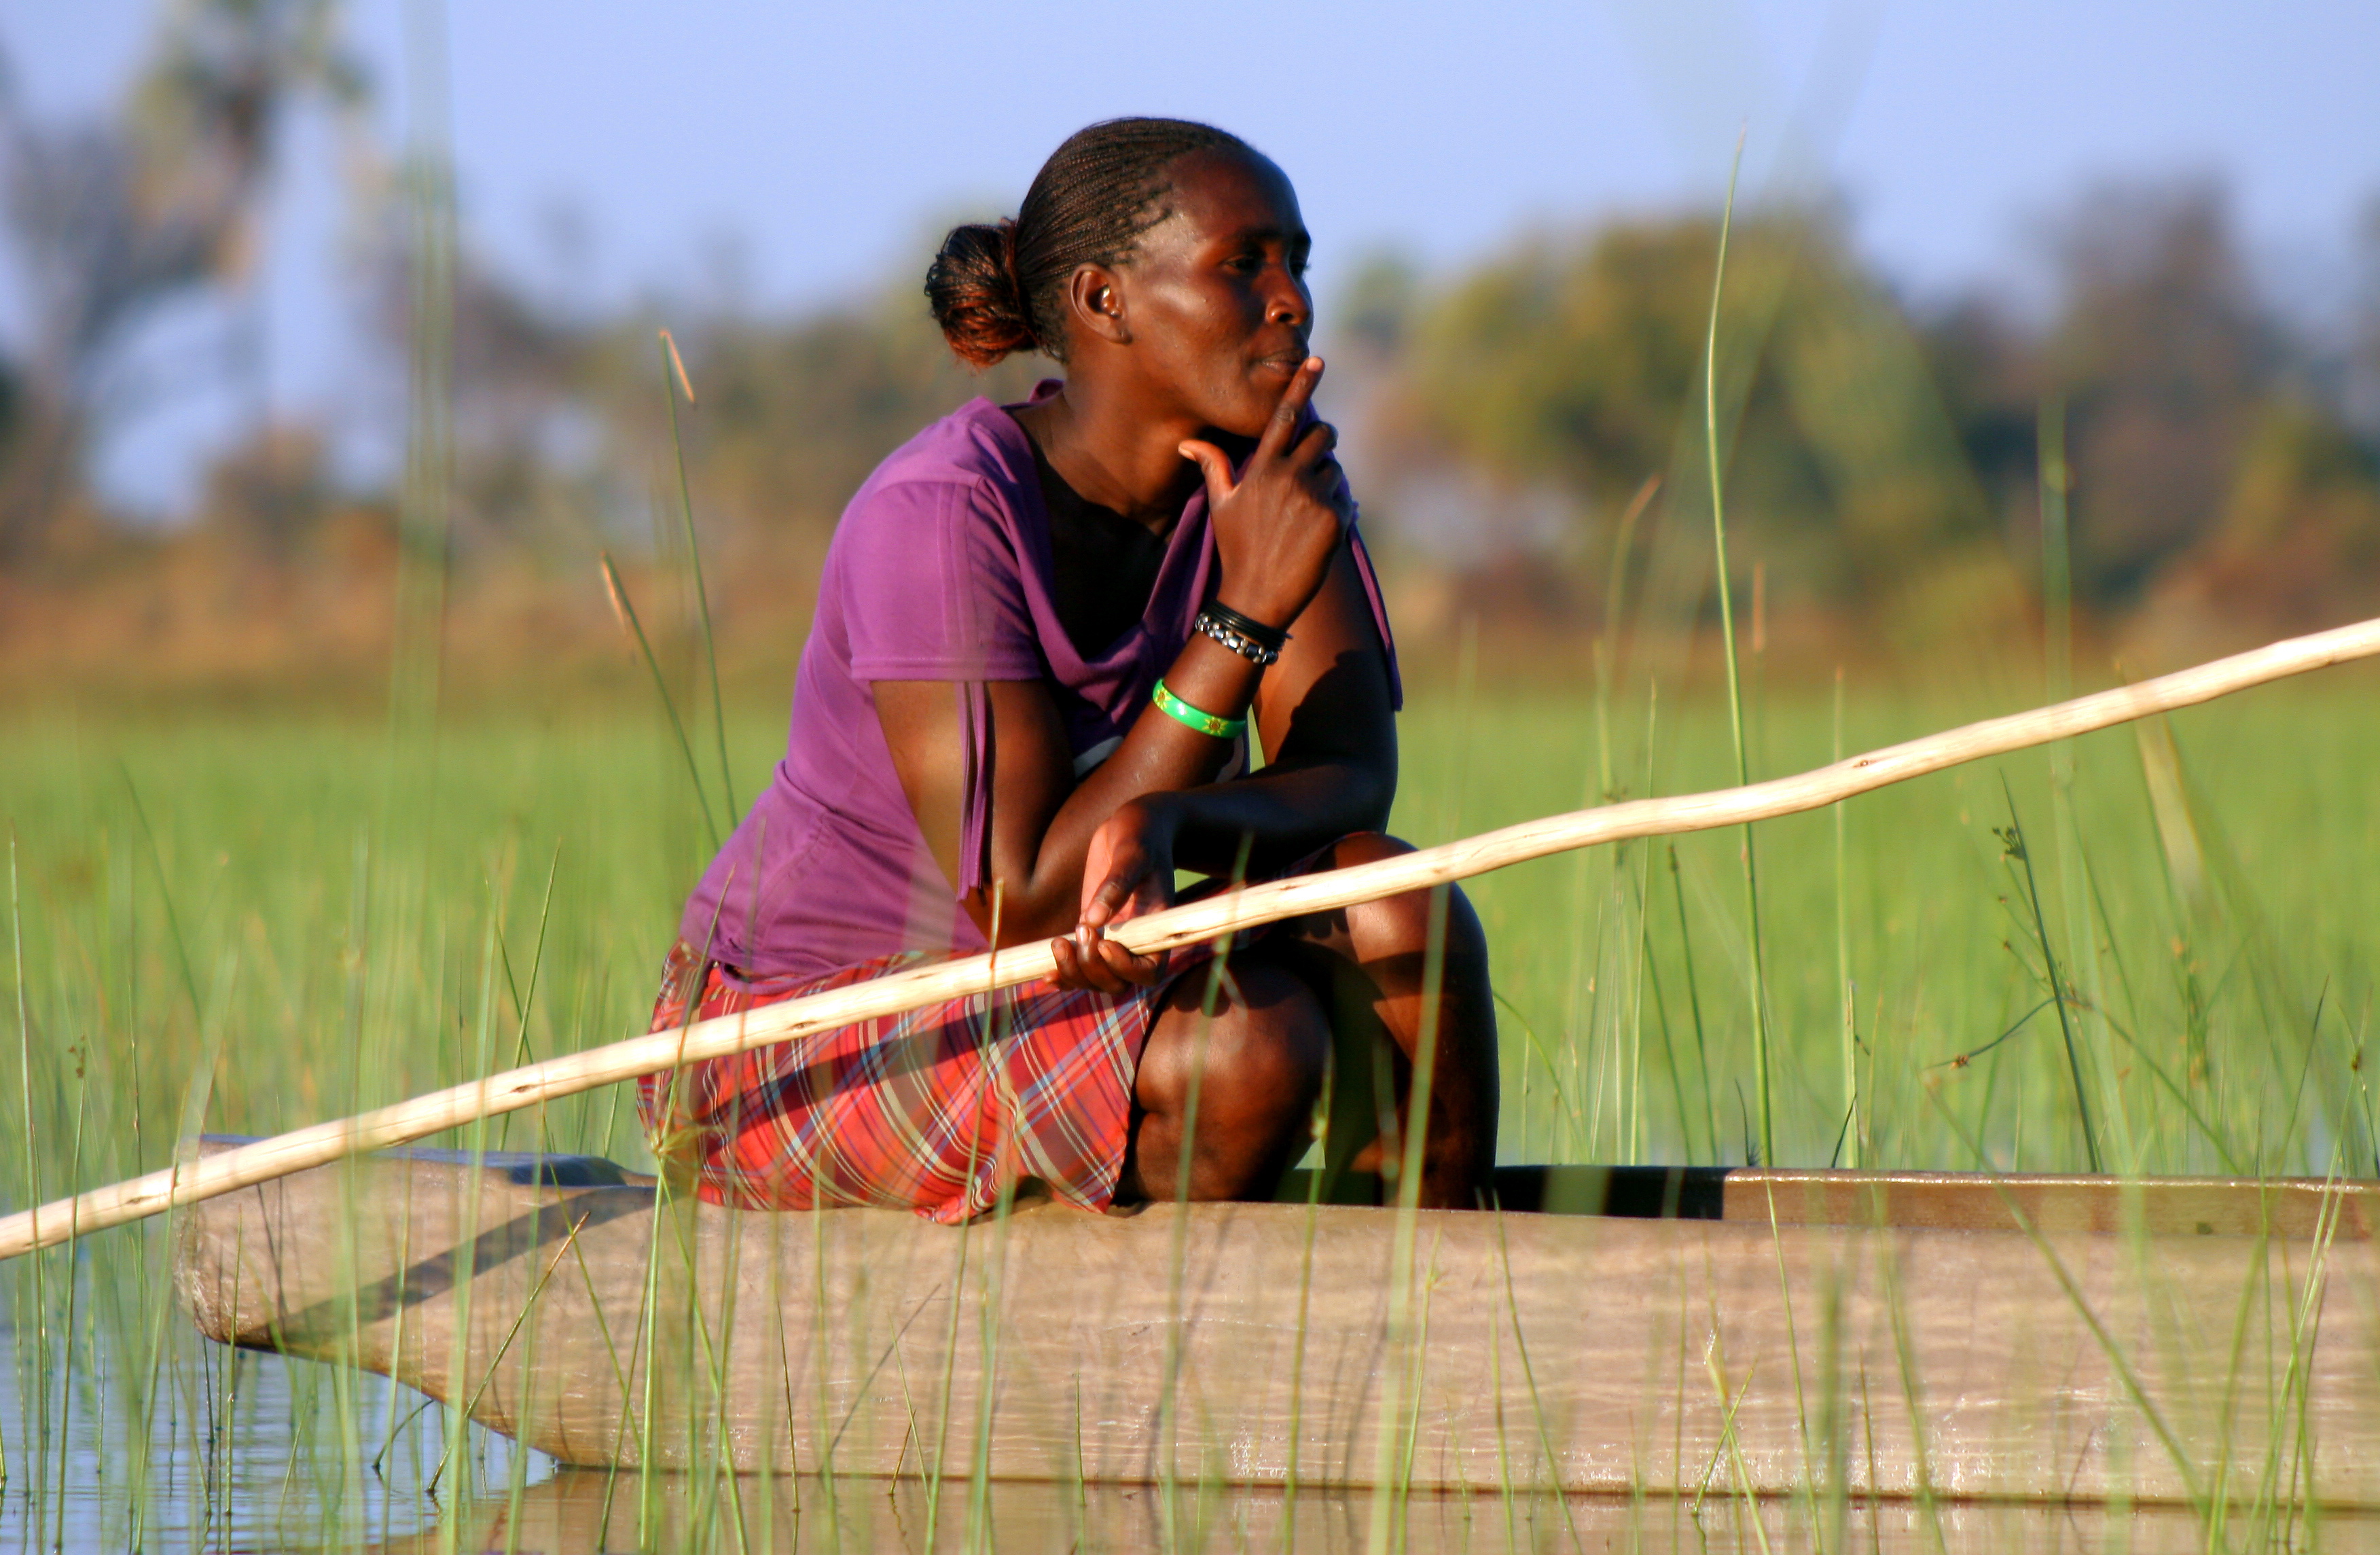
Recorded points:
(1183,713)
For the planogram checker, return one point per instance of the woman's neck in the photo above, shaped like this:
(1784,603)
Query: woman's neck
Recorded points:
(1115,454)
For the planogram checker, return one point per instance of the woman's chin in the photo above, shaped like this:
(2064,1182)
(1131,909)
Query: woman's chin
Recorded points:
(1245,413)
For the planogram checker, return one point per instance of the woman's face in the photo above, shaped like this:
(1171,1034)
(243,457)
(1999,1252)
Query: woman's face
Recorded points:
(1215,297)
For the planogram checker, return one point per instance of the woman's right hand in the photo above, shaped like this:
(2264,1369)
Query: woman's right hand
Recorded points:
(1279,523)
(1129,871)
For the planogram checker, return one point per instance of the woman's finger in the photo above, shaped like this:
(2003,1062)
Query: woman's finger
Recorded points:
(1089,970)
(1138,970)
(1073,969)
(1068,974)
(1294,401)
(1315,446)
(1212,463)
(1096,970)
(1342,507)
(1130,893)
(1114,895)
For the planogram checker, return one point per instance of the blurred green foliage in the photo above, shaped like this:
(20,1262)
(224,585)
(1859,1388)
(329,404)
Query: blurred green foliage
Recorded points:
(1582,363)
(1876,447)
(1501,417)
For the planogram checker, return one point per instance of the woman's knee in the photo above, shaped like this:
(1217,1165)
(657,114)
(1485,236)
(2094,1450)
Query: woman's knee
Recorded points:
(1366,847)
(1411,922)
(1254,1042)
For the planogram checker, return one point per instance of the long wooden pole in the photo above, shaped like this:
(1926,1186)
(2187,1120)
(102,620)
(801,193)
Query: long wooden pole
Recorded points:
(191,1180)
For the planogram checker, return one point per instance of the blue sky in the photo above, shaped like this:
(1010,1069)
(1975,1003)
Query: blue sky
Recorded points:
(805,152)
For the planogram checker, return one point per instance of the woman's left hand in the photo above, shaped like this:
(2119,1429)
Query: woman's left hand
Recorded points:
(1127,872)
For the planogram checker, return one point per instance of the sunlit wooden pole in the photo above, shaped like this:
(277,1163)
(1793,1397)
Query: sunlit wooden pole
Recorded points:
(191,1180)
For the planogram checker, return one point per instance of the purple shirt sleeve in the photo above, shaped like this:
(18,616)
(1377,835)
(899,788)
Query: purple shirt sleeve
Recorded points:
(1371,582)
(933,588)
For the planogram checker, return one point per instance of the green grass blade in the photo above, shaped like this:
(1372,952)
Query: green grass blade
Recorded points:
(1761,1062)
(670,360)
(661,686)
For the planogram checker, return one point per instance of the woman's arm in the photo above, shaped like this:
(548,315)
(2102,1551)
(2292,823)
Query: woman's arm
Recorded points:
(1328,726)
(1042,819)
(1323,712)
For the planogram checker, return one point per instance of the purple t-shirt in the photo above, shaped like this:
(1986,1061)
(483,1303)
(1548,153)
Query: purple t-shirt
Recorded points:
(940,570)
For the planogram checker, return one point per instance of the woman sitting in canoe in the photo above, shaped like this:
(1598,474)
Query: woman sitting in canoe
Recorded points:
(1043,632)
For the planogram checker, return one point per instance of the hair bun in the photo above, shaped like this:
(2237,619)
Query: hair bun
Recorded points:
(976,294)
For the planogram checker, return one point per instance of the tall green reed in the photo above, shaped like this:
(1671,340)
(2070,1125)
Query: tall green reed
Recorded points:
(671,360)
(636,627)
(427,487)
(673,378)
(38,1371)
(250,923)
(1848,1149)
(1761,1058)
(2059,993)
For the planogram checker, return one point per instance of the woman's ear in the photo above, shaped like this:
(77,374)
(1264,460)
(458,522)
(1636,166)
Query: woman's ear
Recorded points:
(1095,299)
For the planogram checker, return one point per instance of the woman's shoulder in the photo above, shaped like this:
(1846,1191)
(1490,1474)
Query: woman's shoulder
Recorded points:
(949,503)
(925,579)
(959,490)
(979,446)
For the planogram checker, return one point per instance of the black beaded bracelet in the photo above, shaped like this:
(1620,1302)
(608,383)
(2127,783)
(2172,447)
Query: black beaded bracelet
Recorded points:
(1247,627)
(1234,638)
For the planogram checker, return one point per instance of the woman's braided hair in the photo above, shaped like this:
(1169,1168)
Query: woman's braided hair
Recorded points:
(1001,288)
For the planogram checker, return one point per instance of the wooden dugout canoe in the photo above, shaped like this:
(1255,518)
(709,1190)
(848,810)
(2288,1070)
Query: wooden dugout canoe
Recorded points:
(2028,1338)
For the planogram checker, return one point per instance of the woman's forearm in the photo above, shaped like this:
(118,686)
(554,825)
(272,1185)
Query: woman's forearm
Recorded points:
(1331,731)
(1159,757)
(1276,816)
(1256,823)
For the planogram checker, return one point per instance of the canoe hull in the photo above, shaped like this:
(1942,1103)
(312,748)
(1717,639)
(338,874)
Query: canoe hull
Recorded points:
(1463,1350)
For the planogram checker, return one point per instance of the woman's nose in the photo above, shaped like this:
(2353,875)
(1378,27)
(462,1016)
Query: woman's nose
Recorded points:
(1289,304)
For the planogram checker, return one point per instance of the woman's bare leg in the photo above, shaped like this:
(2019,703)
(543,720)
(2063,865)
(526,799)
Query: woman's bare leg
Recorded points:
(1247,1056)
(1364,984)
(1391,972)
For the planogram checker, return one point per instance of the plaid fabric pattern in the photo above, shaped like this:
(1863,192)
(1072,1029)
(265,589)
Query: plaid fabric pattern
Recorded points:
(940,1110)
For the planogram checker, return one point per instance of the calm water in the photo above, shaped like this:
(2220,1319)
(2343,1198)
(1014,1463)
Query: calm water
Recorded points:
(244,1453)
(257,1452)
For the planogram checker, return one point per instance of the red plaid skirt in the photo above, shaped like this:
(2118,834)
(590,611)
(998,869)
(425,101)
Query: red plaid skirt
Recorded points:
(940,1111)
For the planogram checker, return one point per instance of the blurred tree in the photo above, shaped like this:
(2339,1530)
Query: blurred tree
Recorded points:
(2360,389)
(527,447)
(562,435)
(2298,541)
(268,492)
(111,221)
(205,117)
(1374,312)
(1580,362)
(1988,371)
(2303,476)
(1573,361)
(2162,354)
(795,413)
